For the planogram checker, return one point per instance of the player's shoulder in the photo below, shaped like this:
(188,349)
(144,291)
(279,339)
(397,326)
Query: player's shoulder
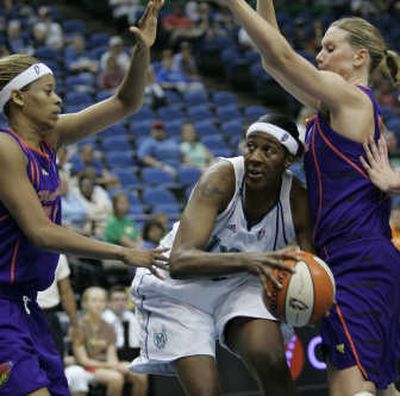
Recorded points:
(217,182)
(220,169)
(10,149)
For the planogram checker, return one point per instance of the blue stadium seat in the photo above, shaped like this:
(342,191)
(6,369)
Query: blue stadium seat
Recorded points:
(197,113)
(253,113)
(115,158)
(232,128)
(188,175)
(170,113)
(73,26)
(116,143)
(195,97)
(206,128)
(114,131)
(214,142)
(155,196)
(145,113)
(78,98)
(173,127)
(97,39)
(223,98)
(157,177)
(140,128)
(227,113)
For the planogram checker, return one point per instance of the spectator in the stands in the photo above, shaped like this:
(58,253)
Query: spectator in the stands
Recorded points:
(152,233)
(111,76)
(54,36)
(158,151)
(96,200)
(89,158)
(126,9)
(154,95)
(195,153)
(385,95)
(163,219)
(119,229)
(184,62)
(38,35)
(116,50)
(124,322)
(77,58)
(178,25)
(95,348)
(169,78)
(15,41)
(75,213)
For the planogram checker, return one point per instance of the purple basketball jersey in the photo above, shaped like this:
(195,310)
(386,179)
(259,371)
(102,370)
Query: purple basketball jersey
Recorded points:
(22,265)
(352,234)
(344,202)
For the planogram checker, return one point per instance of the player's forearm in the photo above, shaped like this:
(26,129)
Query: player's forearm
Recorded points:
(197,263)
(266,10)
(131,90)
(59,239)
(68,300)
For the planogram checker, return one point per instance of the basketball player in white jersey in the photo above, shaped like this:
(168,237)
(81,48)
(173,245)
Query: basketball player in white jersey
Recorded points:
(241,212)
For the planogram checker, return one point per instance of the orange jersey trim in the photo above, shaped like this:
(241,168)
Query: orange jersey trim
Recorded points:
(314,154)
(350,340)
(14,258)
(339,153)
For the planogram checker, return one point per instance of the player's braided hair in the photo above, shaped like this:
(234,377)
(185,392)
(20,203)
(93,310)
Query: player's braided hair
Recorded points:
(11,66)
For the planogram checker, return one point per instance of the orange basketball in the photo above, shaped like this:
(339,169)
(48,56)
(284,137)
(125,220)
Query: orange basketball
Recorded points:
(306,295)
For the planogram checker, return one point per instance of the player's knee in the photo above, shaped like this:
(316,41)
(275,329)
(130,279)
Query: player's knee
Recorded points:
(115,378)
(272,363)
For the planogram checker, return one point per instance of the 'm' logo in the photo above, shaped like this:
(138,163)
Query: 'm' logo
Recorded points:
(160,339)
(5,369)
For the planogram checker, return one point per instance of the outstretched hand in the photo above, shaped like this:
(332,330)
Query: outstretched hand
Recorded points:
(378,167)
(266,265)
(146,29)
(151,259)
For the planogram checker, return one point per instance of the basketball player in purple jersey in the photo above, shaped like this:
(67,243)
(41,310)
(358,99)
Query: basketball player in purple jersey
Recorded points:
(30,215)
(350,215)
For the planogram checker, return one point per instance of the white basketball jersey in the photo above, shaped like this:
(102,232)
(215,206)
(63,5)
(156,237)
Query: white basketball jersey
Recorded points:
(230,234)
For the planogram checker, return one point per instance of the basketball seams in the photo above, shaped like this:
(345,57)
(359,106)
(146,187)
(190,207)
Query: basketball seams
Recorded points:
(296,303)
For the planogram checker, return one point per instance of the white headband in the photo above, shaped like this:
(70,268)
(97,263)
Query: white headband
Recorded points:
(284,137)
(28,76)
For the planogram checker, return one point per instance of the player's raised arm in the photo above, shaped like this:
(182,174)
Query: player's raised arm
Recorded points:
(22,202)
(266,9)
(129,95)
(291,69)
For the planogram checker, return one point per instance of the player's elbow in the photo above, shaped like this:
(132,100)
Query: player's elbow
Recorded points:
(177,265)
(40,237)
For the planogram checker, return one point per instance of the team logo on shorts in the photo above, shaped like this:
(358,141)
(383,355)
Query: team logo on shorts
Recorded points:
(5,369)
(160,339)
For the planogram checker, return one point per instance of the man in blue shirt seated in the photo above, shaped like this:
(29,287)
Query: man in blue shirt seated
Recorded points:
(158,151)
